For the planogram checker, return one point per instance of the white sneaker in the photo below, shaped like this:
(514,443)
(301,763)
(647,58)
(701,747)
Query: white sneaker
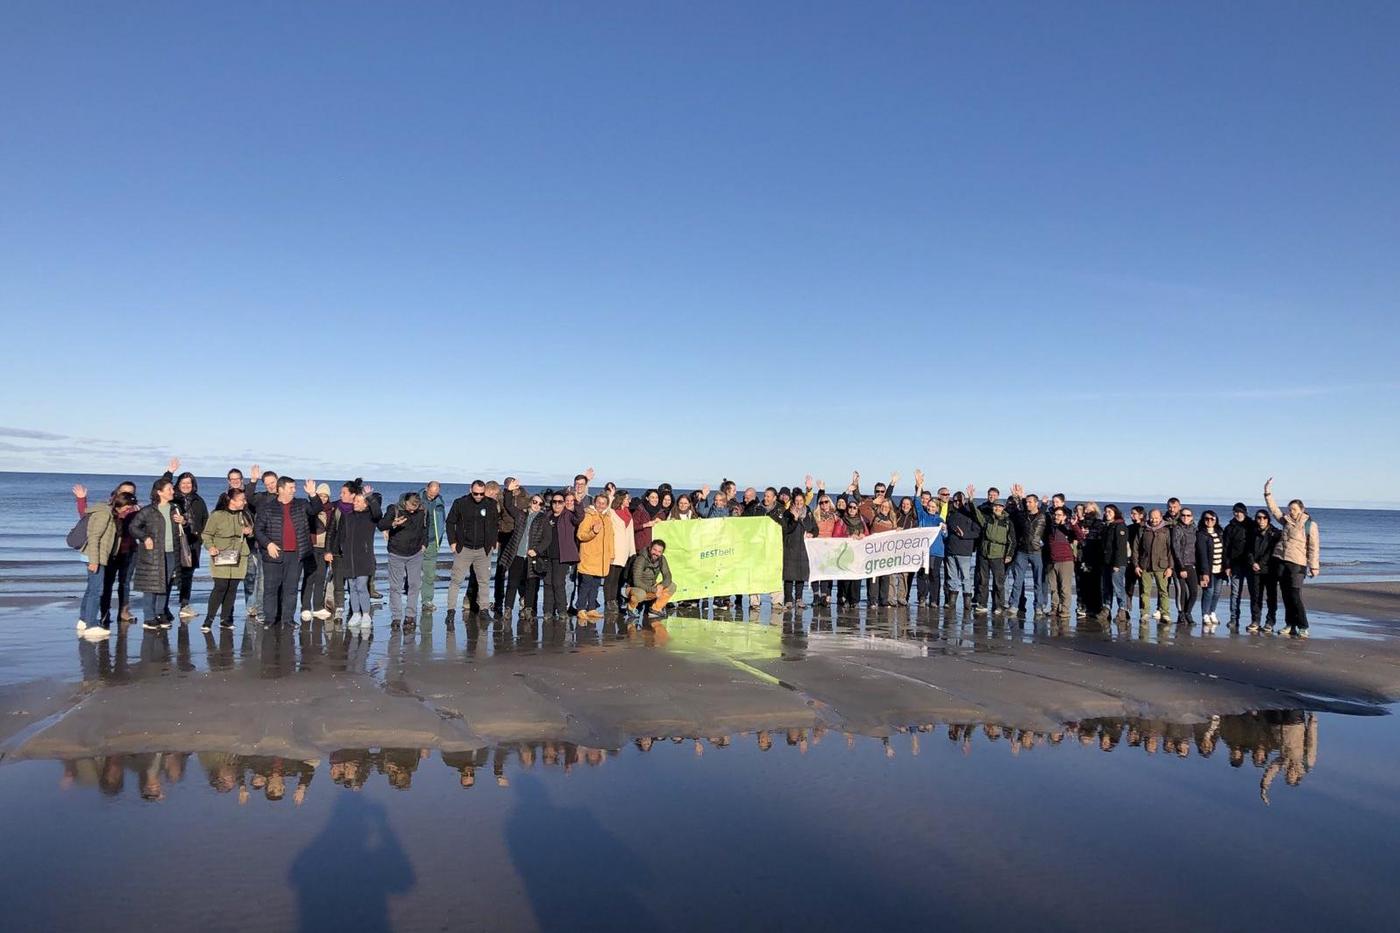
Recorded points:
(81,625)
(1156,617)
(321,614)
(188,612)
(306,615)
(95,633)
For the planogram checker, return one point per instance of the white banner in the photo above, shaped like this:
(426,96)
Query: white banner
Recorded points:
(877,555)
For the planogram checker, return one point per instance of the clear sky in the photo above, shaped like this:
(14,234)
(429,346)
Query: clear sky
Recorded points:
(1101,247)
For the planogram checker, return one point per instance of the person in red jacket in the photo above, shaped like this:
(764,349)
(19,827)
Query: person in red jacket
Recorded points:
(1059,541)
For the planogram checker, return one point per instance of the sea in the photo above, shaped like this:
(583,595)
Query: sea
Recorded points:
(38,511)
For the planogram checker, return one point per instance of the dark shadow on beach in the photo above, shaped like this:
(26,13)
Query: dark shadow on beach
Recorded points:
(344,877)
(577,874)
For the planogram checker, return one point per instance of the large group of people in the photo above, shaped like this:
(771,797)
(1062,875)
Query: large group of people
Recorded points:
(594,553)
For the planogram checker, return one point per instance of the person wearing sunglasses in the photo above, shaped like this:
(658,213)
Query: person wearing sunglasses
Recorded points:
(1188,582)
(472,524)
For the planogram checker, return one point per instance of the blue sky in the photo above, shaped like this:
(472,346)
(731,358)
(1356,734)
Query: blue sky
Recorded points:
(1104,247)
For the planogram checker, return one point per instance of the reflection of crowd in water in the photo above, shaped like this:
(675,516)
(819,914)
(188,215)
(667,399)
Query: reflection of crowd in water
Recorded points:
(1277,742)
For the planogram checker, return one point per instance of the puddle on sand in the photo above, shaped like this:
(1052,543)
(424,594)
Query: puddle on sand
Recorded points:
(1111,823)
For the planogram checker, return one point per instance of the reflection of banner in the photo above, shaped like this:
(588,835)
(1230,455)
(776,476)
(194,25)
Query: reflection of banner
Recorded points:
(877,555)
(723,556)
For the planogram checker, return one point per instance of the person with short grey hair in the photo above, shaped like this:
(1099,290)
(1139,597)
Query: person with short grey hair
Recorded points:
(406,523)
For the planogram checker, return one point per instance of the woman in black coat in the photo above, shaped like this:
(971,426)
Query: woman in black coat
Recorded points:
(196,512)
(350,549)
(798,525)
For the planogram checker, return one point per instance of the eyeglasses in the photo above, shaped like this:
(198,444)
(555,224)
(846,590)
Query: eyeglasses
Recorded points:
(556,501)
(478,493)
(1186,515)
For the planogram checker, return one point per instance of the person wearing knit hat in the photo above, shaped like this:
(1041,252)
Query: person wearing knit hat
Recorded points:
(1239,562)
(314,568)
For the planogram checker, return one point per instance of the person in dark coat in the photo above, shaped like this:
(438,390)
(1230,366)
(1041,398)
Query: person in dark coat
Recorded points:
(798,525)
(157,553)
(282,531)
(196,512)
(350,548)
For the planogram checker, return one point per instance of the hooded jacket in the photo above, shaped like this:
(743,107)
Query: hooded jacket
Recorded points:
(1237,535)
(103,534)
(998,534)
(596,543)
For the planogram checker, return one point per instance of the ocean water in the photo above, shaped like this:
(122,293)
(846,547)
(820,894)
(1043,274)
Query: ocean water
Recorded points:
(1357,544)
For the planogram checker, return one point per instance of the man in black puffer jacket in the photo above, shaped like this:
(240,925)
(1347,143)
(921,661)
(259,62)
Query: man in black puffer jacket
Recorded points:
(1239,561)
(283,536)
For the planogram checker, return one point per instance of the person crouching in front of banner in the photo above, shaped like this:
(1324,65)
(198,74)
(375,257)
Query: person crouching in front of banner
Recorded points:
(651,584)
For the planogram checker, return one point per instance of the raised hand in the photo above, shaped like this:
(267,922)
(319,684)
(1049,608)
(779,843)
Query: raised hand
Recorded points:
(1018,490)
(855,477)
(255,475)
(79,491)
(512,485)
(894,479)
(971,491)
(310,487)
(807,481)
(173,466)
(705,491)
(1268,485)
(919,478)
(589,473)
(369,490)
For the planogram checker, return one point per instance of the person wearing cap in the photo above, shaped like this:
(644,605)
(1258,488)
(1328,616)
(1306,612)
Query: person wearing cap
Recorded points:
(1239,569)
(995,552)
(314,568)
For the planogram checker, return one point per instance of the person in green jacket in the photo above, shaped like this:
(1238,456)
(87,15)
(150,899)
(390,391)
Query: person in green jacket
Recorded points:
(226,538)
(103,535)
(437,528)
(995,551)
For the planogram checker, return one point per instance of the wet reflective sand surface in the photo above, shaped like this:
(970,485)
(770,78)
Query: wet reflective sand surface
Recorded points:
(894,769)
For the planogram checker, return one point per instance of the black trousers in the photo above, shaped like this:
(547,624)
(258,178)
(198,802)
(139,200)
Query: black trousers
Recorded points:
(117,572)
(1188,590)
(792,591)
(313,581)
(1268,581)
(1291,580)
(521,582)
(221,599)
(503,569)
(556,586)
(930,582)
(1088,583)
(612,586)
(990,570)
(280,579)
(848,592)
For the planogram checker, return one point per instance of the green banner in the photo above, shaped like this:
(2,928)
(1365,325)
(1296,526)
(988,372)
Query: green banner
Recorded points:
(723,556)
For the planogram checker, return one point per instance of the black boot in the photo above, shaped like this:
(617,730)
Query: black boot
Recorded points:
(450,619)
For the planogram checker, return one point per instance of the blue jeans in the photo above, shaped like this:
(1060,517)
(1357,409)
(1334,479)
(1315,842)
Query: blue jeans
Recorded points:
(1210,595)
(253,580)
(1115,588)
(957,575)
(92,596)
(156,602)
(357,594)
(1026,573)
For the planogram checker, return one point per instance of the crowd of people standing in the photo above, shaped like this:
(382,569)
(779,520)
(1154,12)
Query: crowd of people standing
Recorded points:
(595,553)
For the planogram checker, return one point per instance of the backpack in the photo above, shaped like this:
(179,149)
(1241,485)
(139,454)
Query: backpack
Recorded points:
(77,536)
